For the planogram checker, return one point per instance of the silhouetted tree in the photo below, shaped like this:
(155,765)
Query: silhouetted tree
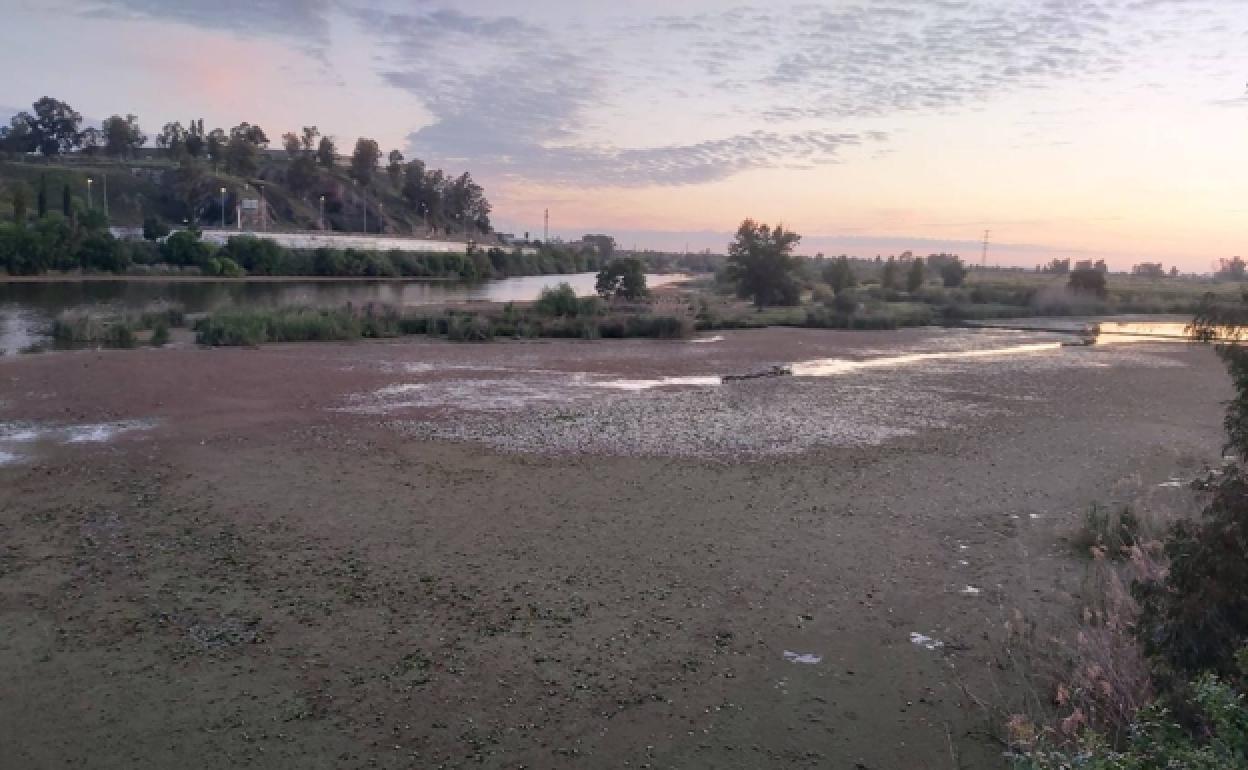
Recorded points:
(1087,280)
(326,152)
(917,275)
(839,274)
(42,206)
(953,273)
(623,277)
(889,278)
(364,160)
(395,167)
(122,136)
(762,265)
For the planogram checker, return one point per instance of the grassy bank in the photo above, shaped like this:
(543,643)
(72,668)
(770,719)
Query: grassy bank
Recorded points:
(302,324)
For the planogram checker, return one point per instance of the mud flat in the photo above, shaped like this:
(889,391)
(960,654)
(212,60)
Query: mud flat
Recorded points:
(557,554)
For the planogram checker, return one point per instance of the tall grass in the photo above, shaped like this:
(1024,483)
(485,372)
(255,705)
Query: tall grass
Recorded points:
(85,330)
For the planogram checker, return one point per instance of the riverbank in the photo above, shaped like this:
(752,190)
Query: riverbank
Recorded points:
(556,554)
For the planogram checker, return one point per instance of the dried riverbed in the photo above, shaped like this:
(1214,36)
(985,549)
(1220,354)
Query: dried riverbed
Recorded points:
(555,554)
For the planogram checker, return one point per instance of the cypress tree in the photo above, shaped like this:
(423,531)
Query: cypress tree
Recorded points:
(43,196)
(67,202)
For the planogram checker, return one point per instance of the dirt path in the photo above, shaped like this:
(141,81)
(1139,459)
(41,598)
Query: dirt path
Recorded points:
(257,578)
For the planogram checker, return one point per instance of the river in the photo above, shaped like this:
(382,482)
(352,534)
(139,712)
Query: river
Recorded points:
(27,308)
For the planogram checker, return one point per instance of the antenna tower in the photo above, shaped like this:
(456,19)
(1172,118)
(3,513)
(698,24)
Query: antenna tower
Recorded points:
(546,228)
(983,257)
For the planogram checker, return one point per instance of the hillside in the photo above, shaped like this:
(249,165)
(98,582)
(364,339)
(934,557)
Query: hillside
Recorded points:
(190,191)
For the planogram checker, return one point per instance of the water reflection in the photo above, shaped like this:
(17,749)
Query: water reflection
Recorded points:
(828,367)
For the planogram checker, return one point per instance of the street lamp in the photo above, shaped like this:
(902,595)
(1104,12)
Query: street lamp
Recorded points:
(322,212)
(222,208)
(90,182)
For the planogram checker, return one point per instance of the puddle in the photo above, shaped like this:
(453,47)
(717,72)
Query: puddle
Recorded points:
(102,432)
(804,658)
(1173,484)
(661,382)
(925,641)
(716,338)
(829,367)
(399,390)
(12,434)
(971,591)
(8,458)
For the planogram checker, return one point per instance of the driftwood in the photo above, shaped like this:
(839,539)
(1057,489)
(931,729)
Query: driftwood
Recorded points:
(775,371)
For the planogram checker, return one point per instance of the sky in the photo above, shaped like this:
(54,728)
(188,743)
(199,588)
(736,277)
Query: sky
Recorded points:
(1099,129)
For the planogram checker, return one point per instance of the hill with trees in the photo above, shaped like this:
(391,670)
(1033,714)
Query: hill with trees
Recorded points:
(178,176)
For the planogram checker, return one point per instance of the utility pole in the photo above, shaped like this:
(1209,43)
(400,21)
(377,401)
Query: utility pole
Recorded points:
(983,259)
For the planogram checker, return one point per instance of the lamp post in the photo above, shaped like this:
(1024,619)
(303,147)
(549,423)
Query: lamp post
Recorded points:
(90,182)
(322,212)
(222,208)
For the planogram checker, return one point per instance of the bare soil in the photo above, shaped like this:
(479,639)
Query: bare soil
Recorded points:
(265,575)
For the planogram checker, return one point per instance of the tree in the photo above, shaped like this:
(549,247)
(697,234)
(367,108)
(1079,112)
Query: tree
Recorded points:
(19,137)
(53,127)
(196,139)
(917,276)
(310,134)
(395,168)
(67,201)
(839,274)
(889,279)
(154,229)
(953,273)
(604,245)
(326,152)
(1058,266)
(762,265)
(292,144)
(241,157)
(1149,270)
(1087,280)
(1231,269)
(43,196)
(92,141)
(214,145)
(20,202)
(623,277)
(122,136)
(172,139)
(364,160)
(302,175)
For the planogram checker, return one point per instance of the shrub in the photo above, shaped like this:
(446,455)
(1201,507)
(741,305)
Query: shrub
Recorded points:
(1112,531)
(160,334)
(559,301)
(78,330)
(469,328)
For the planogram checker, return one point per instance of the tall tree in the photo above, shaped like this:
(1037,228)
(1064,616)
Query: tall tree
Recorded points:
(214,145)
(19,203)
(122,136)
(55,126)
(889,278)
(292,144)
(917,275)
(43,196)
(310,134)
(761,263)
(19,136)
(839,274)
(67,201)
(395,167)
(172,139)
(364,160)
(326,152)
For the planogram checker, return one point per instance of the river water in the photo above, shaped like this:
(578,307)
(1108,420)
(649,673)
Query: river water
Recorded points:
(27,308)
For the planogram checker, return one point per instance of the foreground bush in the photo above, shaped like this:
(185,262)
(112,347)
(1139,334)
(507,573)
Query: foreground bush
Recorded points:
(1157,741)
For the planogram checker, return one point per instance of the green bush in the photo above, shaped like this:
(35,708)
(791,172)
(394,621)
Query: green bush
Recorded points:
(79,330)
(255,327)
(560,301)
(160,334)
(1158,742)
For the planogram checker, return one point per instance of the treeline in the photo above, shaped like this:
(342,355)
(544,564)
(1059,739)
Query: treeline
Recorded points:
(82,242)
(309,169)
